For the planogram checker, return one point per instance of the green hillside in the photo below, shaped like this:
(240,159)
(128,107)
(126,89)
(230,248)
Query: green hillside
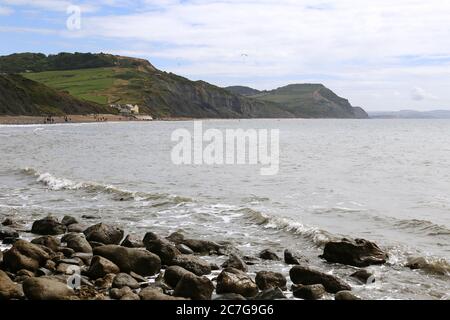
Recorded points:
(21,96)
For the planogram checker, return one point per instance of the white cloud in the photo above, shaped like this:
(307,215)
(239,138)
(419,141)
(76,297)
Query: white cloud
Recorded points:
(5,11)
(419,94)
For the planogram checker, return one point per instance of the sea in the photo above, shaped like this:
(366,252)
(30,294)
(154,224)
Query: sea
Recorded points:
(387,181)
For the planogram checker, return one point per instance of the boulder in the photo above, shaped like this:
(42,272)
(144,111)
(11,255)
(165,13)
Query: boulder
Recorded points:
(194,287)
(268,279)
(307,276)
(290,259)
(48,241)
(184,249)
(131,297)
(125,280)
(193,264)
(85,257)
(310,292)
(8,289)
(104,233)
(234,261)
(24,255)
(363,276)
(68,220)
(48,226)
(269,255)
(77,242)
(164,249)
(7,232)
(46,288)
(233,280)
(132,242)
(139,261)
(198,246)
(358,253)
(345,296)
(101,266)
(105,282)
(76,228)
(270,294)
(118,293)
(152,293)
(67,252)
(173,275)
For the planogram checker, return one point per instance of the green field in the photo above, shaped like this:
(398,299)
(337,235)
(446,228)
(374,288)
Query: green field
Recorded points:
(88,84)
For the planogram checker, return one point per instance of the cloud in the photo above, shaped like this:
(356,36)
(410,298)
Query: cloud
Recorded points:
(419,94)
(5,11)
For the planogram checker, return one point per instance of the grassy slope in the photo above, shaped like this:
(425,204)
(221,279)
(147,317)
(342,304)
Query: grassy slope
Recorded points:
(22,96)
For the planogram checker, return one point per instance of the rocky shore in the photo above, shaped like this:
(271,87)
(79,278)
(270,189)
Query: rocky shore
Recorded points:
(66,261)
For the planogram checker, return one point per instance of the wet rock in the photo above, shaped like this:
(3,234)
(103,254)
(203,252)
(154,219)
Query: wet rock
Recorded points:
(137,277)
(270,294)
(214,267)
(8,289)
(139,261)
(233,280)
(152,293)
(132,242)
(10,240)
(7,232)
(234,261)
(48,241)
(50,265)
(164,249)
(73,261)
(131,297)
(193,264)
(267,280)
(269,255)
(184,249)
(105,282)
(345,296)
(26,273)
(173,275)
(104,233)
(24,255)
(364,276)
(68,269)
(198,246)
(194,287)
(95,244)
(229,296)
(43,272)
(358,253)
(310,292)
(307,276)
(47,289)
(290,259)
(8,222)
(77,242)
(85,257)
(251,261)
(118,293)
(90,217)
(68,220)
(67,252)
(76,228)
(125,280)
(101,266)
(48,226)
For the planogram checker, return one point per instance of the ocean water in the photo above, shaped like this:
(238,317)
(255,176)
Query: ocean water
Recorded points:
(387,181)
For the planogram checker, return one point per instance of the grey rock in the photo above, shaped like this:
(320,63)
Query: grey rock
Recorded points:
(359,253)
(77,242)
(132,242)
(48,226)
(68,220)
(139,261)
(162,248)
(184,249)
(104,233)
(193,264)
(125,280)
(76,228)
(101,266)
(345,296)
(7,232)
(194,287)
(269,255)
(268,279)
(310,292)
(364,276)
(270,294)
(307,276)
(173,275)
(234,261)
(290,259)
(233,280)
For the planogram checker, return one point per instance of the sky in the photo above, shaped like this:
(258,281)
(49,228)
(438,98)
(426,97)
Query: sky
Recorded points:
(380,54)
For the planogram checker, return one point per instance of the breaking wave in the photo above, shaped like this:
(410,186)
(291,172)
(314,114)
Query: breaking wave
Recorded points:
(430,265)
(316,235)
(57,184)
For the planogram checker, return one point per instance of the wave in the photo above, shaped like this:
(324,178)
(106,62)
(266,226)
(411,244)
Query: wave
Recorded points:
(316,235)
(422,226)
(430,265)
(57,184)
